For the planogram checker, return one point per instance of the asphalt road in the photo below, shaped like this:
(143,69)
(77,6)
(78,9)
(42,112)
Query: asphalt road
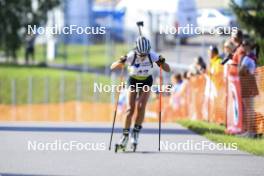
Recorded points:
(174,159)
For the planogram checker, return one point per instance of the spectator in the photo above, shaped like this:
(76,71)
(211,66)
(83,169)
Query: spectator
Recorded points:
(255,52)
(237,38)
(184,94)
(212,81)
(249,88)
(229,48)
(30,51)
(198,67)
(215,60)
(247,62)
(176,80)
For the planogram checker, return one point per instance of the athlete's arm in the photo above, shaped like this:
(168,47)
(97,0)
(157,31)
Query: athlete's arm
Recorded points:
(161,62)
(119,64)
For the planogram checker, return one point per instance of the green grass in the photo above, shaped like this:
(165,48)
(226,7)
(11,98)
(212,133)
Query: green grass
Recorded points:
(93,55)
(53,78)
(261,55)
(216,133)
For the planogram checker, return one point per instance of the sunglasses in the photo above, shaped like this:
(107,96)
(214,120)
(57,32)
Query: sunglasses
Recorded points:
(142,55)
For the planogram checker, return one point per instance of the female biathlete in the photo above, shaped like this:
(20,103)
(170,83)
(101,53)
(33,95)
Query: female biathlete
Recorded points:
(140,66)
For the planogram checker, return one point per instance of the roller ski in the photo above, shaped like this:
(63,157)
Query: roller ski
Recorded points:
(134,141)
(134,137)
(122,144)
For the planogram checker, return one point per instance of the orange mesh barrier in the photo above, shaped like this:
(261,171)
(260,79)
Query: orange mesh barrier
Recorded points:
(220,97)
(209,97)
(69,112)
(253,101)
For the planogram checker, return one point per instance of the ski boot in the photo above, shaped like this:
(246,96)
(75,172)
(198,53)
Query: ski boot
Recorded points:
(134,137)
(121,145)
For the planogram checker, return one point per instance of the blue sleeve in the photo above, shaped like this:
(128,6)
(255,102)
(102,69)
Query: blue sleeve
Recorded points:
(154,56)
(130,56)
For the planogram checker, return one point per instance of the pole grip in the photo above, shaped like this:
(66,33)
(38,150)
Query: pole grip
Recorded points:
(140,24)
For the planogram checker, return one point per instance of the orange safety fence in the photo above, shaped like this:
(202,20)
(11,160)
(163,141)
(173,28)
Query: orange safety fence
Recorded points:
(70,112)
(222,97)
(253,101)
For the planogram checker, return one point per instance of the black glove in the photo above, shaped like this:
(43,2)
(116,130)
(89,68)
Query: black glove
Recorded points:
(161,61)
(123,59)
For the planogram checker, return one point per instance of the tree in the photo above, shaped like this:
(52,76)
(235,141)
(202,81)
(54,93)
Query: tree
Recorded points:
(15,16)
(250,16)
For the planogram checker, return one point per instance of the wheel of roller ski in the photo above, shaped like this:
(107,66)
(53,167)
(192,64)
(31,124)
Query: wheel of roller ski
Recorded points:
(134,147)
(116,148)
(119,147)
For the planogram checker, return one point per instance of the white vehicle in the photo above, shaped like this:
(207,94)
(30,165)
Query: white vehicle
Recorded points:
(165,15)
(216,20)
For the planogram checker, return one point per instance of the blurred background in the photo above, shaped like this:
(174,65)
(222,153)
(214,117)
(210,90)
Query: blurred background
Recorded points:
(47,77)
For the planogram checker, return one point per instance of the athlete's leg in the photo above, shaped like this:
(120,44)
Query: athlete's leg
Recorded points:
(130,108)
(142,101)
(141,106)
(129,114)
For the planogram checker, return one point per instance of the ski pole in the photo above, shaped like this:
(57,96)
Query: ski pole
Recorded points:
(140,24)
(160,98)
(115,112)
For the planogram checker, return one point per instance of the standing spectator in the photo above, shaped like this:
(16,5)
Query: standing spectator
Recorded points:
(255,52)
(175,98)
(30,51)
(212,81)
(237,38)
(176,81)
(198,67)
(249,89)
(215,60)
(229,48)
(247,62)
(184,93)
